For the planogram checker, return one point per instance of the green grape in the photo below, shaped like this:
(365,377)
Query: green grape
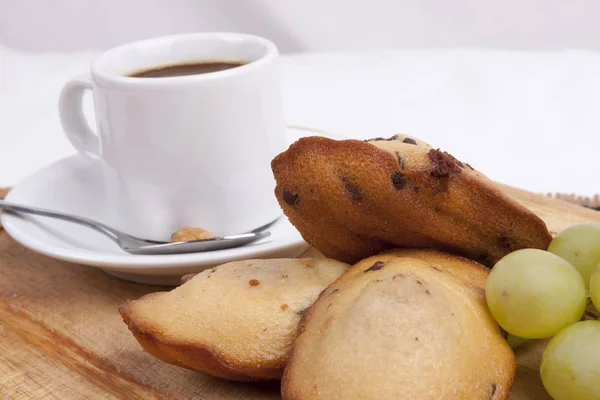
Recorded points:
(571,363)
(595,287)
(579,245)
(534,294)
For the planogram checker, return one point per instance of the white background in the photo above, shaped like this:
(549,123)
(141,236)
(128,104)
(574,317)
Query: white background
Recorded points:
(512,87)
(307,25)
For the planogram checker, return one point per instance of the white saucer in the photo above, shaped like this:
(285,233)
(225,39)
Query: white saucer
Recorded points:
(73,185)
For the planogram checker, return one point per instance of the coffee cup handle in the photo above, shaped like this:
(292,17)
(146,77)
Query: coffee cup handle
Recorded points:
(76,127)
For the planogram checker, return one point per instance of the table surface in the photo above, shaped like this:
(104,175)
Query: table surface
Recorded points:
(61,336)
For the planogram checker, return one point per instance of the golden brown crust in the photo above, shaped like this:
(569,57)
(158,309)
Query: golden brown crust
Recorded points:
(189,234)
(193,355)
(351,199)
(236,321)
(383,330)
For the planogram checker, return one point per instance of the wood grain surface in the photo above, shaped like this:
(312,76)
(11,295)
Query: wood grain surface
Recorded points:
(3,193)
(61,336)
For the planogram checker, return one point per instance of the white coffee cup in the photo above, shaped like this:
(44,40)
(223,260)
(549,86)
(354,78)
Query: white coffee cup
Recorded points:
(187,150)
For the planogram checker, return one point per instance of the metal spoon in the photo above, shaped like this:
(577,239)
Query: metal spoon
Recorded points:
(135,245)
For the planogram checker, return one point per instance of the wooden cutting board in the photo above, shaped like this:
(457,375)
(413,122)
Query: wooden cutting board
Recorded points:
(61,336)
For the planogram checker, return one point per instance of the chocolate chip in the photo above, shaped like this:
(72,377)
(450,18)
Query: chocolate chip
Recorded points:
(400,160)
(398,180)
(409,141)
(375,267)
(493,391)
(380,139)
(443,164)
(504,242)
(290,198)
(354,191)
(254,282)
(416,338)
(460,164)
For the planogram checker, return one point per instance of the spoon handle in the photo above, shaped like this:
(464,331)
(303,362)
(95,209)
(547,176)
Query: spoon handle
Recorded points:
(97,226)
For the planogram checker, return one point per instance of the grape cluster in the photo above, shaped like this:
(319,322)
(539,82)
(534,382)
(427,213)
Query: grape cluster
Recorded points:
(536,294)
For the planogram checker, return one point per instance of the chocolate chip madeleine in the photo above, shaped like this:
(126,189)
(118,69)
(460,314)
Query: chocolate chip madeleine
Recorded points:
(405,325)
(351,199)
(237,321)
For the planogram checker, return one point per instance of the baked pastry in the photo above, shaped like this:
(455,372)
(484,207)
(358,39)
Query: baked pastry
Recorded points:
(237,321)
(409,324)
(189,234)
(351,199)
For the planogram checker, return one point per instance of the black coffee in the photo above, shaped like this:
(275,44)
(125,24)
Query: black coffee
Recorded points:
(186,69)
